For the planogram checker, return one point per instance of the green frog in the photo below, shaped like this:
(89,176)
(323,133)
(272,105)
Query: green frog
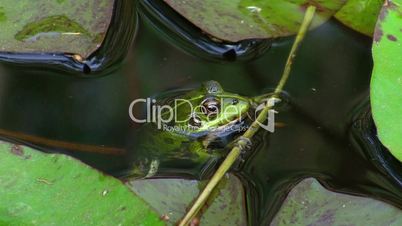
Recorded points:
(192,131)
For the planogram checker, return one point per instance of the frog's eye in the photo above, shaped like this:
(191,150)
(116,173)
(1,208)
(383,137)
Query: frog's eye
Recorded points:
(210,106)
(195,121)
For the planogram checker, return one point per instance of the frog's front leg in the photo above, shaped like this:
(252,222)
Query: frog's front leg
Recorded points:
(243,143)
(145,168)
(245,146)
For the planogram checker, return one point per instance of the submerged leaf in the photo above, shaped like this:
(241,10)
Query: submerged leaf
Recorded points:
(386,82)
(43,26)
(360,15)
(236,20)
(311,204)
(52,189)
(171,198)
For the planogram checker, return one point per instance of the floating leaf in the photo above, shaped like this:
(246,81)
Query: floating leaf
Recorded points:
(58,26)
(52,189)
(236,20)
(386,82)
(311,204)
(171,198)
(360,15)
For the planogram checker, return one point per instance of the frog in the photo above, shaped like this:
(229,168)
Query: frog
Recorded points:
(207,120)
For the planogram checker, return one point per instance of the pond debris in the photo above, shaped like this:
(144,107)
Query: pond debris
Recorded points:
(77,58)
(17,150)
(44,181)
(165,217)
(195,222)
(105,192)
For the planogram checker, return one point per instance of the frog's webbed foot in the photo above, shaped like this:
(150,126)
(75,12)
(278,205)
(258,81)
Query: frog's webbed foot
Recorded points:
(244,144)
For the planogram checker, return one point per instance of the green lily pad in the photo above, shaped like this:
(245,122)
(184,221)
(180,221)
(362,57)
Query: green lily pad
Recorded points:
(236,20)
(52,189)
(311,204)
(360,15)
(56,26)
(386,81)
(171,198)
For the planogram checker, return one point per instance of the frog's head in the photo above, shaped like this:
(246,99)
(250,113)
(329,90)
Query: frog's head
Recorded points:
(208,108)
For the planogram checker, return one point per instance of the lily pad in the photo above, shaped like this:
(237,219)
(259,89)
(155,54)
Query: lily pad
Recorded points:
(52,189)
(386,81)
(57,26)
(171,197)
(309,203)
(236,20)
(360,15)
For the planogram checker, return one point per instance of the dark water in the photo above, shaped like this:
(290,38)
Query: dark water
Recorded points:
(328,132)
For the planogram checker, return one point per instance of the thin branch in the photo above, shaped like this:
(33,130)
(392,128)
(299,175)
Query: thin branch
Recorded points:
(23,137)
(255,126)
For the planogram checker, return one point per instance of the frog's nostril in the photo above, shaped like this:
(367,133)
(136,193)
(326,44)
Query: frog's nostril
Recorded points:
(235,101)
